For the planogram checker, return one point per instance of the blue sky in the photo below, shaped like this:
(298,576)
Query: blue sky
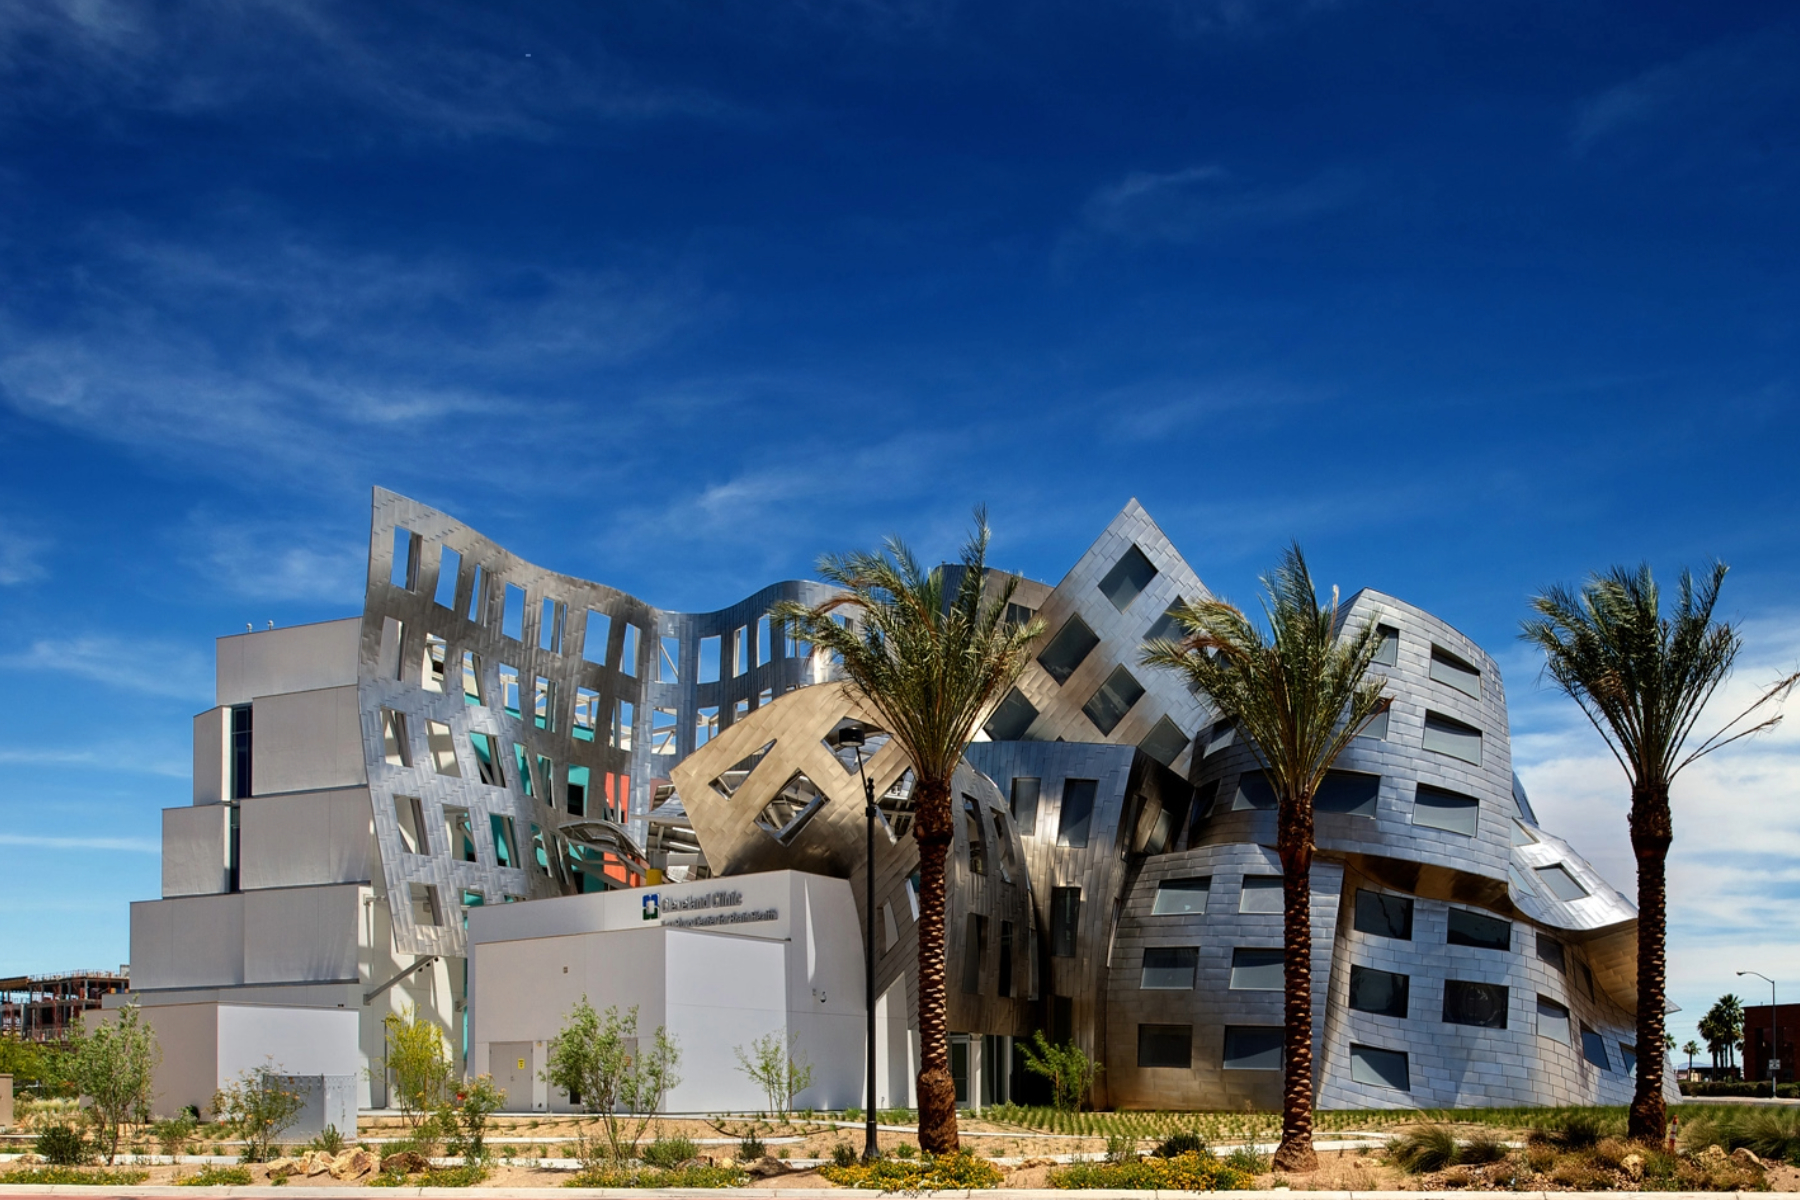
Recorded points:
(1467,299)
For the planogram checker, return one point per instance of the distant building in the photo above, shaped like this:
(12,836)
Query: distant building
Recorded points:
(1760,1038)
(45,1008)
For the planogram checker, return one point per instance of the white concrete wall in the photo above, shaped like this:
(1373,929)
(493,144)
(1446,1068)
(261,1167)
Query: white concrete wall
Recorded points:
(187,1035)
(723,992)
(295,934)
(212,761)
(307,741)
(189,941)
(825,990)
(194,846)
(300,840)
(300,658)
(297,1041)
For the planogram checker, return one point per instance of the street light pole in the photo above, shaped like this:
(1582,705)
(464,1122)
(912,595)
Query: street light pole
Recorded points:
(1774,1040)
(853,736)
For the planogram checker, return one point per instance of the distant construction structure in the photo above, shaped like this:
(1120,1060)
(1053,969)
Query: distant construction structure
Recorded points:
(44,1008)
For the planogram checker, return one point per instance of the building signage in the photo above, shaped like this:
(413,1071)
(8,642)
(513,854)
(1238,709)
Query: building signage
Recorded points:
(723,907)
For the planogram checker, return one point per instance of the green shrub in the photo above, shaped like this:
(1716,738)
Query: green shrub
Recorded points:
(648,1177)
(1121,1147)
(62,1146)
(50,1176)
(210,1176)
(906,1150)
(669,1152)
(751,1147)
(329,1141)
(1770,1133)
(1182,1141)
(1480,1150)
(449,1177)
(1427,1148)
(1184,1172)
(1248,1161)
(843,1155)
(960,1170)
(174,1134)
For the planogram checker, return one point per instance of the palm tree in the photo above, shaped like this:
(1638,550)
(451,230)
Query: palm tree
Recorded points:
(1300,696)
(1690,1048)
(1727,1016)
(1642,680)
(933,661)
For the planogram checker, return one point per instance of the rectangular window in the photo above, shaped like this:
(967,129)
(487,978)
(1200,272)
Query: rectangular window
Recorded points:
(1108,705)
(1068,649)
(519,761)
(423,901)
(1629,1054)
(1166,1046)
(1384,915)
(621,725)
(665,726)
(1380,992)
(1586,975)
(576,790)
(1218,737)
(1180,897)
(1521,836)
(410,815)
(551,616)
(740,650)
(1552,1020)
(974,946)
(890,931)
(437,651)
(505,840)
(1256,970)
(587,713)
(1252,1048)
(1128,578)
(1024,804)
(487,759)
(764,651)
(449,569)
(1260,894)
(706,725)
(1387,645)
(1065,915)
(394,746)
(512,612)
(912,893)
(1164,742)
(668,660)
(1349,792)
(628,651)
(1437,808)
(1380,1068)
(1011,718)
(1562,885)
(1479,930)
(240,752)
(1169,968)
(1593,1048)
(1004,984)
(977,836)
(1551,951)
(406,559)
(1448,669)
(594,637)
(1377,727)
(471,673)
(1480,1004)
(459,831)
(1018,616)
(509,690)
(1168,627)
(442,749)
(1254,793)
(479,587)
(1077,811)
(543,704)
(1446,736)
(709,660)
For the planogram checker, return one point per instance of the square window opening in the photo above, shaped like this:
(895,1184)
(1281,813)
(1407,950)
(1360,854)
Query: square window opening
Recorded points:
(1260,894)
(1169,968)
(1255,969)
(1114,698)
(791,808)
(1182,897)
(442,748)
(1068,649)
(1383,915)
(1128,578)
(1381,992)
(1252,1048)
(1468,928)
(1011,718)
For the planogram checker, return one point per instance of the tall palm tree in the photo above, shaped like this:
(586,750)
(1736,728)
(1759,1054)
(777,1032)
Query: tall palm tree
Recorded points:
(933,660)
(1690,1048)
(1300,696)
(1642,680)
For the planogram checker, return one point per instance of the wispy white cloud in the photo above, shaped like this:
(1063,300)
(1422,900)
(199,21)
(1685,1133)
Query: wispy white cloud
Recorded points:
(131,845)
(1203,202)
(21,556)
(135,665)
(284,561)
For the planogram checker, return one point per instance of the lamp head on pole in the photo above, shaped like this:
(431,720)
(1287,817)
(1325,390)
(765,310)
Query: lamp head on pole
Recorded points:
(852,735)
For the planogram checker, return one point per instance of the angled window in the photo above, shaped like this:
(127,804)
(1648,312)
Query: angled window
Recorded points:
(594,637)
(1254,792)
(623,717)
(1387,645)
(506,841)
(1455,672)
(1256,970)
(575,790)
(764,652)
(1377,726)
(1629,1055)
(668,660)
(1114,698)
(1349,792)
(1469,928)
(1011,718)
(1593,1048)
(394,747)
(442,749)
(890,931)
(1444,735)
(912,893)
(1009,862)
(740,651)
(423,901)
(1552,1020)
(1585,974)
(1522,836)
(784,816)
(706,725)
(1380,1068)
(487,759)
(974,949)
(1380,992)
(437,652)
(1024,804)
(709,659)
(459,832)
(1128,578)
(1520,884)
(1166,1046)
(1252,1048)
(1182,897)
(628,651)
(1169,968)
(1077,811)
(449,567)
(1068,649)
(543,703)
(587,714)
(1168,627)
(410,815)
(664,730)
(509,690)
(512,612)
(519,761)
(1221,735)
(1205,797)
(1383,915)
(1471,1003)
(1260,894)
(1065,915)
(471,673)
(977,837)
(479,587)
(1550,950)
(406,559)
(1164,742)
(1560,883)
(552,616)
(734,777)
(1439,808)
(1018,616)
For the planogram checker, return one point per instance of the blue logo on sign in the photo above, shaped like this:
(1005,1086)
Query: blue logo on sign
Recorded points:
(652,910)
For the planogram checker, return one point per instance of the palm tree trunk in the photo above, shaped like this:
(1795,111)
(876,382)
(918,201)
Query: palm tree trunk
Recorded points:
(934,828)
(1294,844)
(1652,831)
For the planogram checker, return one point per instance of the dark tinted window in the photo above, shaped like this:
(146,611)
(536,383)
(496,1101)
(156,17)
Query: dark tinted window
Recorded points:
(1175,897)
(1478,929)
(1169,968)
(1065,914)
(1164,742)
(1129,576)
(1593,1048)
(1077,811)
(1384,915)
(1482,1004)
(1024,805)
(1382,1068)
(1256,970)
(1551,951)
(1165,1046)
(1347,792)
(1068,649)
(1253,1047)
(1167,628)
(1011,719)
(1108,706)
(1373,991)
(1253,791)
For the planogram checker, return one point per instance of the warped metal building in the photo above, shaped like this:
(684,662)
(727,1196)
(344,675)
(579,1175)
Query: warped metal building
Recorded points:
(491,732)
